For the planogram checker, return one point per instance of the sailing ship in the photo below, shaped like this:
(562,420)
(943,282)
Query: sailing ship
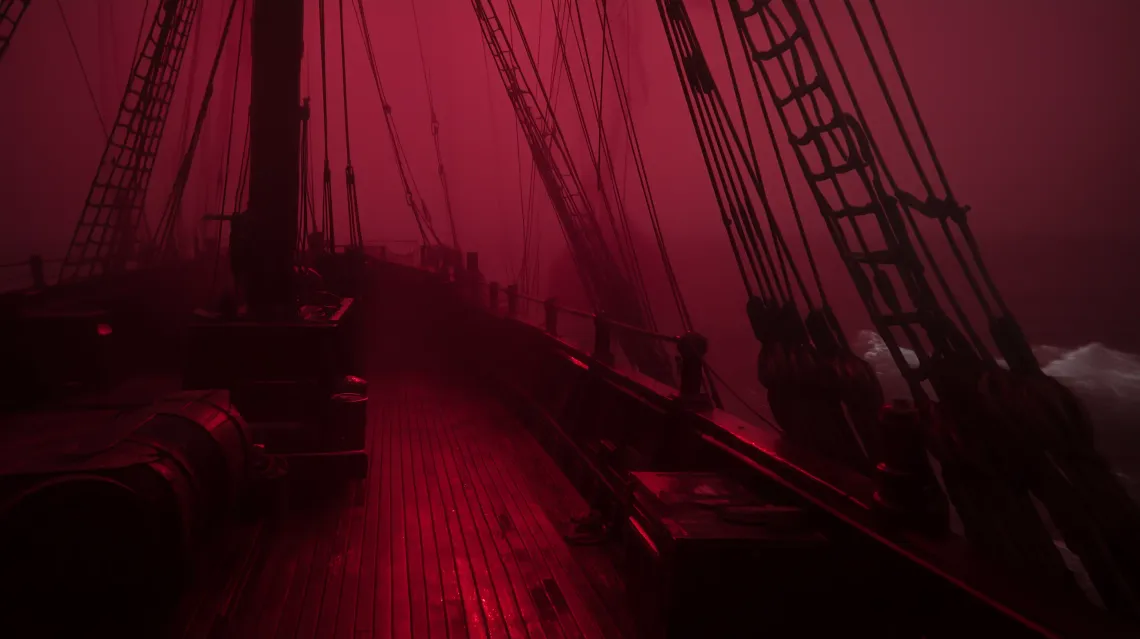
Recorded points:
(355,441)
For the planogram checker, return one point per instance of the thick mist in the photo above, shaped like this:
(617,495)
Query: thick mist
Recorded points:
(1032,106)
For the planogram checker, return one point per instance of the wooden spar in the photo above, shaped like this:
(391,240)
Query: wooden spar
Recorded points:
(266,239)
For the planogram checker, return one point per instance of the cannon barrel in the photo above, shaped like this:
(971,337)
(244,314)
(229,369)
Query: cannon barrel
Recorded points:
(107,535)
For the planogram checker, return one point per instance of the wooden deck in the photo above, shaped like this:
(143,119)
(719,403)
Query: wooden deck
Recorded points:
(456,532)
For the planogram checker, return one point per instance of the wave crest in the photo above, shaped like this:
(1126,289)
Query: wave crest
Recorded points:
(1093,369)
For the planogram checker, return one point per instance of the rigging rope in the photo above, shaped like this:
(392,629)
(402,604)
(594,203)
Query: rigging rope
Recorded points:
(824,392)
(105,35)
(1010,435)
(619,223)
(411,191)
(717,138)
(934,267)
(877,154)
(435,131)
(785,177)
(639,164)
(777,236)
(534,231)
(528,275)
(896,258)
(634,151)
(224,194)
(168,223)
(740,398)
(944,210)
(546,111)
(306,222)
(518,273)
(194,50)
(83,71)
(608,287)
(141,32)
(326,184)
(621,233)
(356,240)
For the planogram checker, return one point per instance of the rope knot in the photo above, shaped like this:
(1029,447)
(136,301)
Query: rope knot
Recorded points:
(936,208)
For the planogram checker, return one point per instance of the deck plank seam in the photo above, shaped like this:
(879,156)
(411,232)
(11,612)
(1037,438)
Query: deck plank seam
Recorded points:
(530,610)
(542,531)
(346,620)
(567,502)
(298,588)
(475,563)
(486,591)
(596,608)
(402,612)
(363,604)
(548,547)
(497,569)
(464,570)
(592,599)
(433,573)
(413,549)
(440,527)
(485,582)
(382,574)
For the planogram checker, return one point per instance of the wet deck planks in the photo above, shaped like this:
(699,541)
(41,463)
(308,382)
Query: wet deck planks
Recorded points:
(450,535)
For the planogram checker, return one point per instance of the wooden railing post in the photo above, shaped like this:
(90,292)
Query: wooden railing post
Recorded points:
(550,306)
(473,284)
(602,339)
(36,263)
(693,347)
(513,301)
(906,488)
(493,296)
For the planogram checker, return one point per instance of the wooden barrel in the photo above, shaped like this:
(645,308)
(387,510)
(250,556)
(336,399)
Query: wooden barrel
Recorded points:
(203,448)
(347,421)
(110,534)
(82,554)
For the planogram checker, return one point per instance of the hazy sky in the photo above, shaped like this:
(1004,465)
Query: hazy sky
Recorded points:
(1032,105)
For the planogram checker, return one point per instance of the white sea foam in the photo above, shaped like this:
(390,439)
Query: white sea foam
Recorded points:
(1106,380)
(1090,370)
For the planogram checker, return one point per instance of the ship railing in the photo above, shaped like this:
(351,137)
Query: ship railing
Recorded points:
(590,332)
(895,508)
(29,274)
(595,333)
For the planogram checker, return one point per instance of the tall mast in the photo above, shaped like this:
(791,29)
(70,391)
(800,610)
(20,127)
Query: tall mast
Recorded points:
(265,239)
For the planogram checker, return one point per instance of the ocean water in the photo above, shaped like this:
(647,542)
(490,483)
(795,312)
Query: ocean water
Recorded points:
(1106,380)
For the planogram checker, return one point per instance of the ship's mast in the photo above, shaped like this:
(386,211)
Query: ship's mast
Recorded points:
(264,239)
